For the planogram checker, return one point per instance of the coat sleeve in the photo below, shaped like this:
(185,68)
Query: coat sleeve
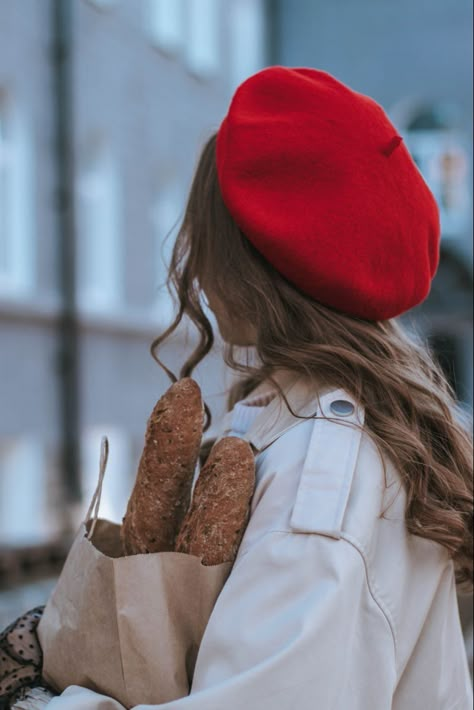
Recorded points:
(295,626)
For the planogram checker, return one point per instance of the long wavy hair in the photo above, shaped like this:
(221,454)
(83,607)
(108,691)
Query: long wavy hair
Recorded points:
(411,409)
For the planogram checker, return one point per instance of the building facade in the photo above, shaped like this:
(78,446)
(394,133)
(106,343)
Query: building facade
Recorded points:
(104,107)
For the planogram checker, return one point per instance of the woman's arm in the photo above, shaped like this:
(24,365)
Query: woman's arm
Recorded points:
(295,626)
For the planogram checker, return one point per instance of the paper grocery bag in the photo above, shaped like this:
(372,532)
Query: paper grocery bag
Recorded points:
(127,627)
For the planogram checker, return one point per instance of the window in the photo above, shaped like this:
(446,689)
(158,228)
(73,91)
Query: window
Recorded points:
(442,154)
(99,239)
(202,46)
(247,45)
(166,24)
(103,4)
(16,208)
(166,216)
(443,160)
(23,492)
(190,28)
(119,476)
(6,155)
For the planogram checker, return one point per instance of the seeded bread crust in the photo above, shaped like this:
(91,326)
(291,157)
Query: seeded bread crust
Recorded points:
(162,490)
(216,520)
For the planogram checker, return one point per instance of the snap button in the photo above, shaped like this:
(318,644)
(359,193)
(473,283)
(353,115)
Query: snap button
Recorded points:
(342,408)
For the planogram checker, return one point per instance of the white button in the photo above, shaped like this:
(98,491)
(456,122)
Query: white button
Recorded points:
(342,407)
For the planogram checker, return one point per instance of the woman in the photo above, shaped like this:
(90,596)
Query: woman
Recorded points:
(308,230)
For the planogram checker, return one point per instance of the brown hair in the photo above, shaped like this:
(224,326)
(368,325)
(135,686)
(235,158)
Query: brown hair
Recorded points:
(411,411)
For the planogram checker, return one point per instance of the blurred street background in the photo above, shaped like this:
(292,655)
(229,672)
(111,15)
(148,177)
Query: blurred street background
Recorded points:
(104,106)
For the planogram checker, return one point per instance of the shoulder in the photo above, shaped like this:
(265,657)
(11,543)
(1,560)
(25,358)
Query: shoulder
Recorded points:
(326,475)
(338,475)
(310,467)
(313,450)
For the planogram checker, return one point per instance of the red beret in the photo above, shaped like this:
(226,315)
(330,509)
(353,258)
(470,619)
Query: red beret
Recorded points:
(317,178)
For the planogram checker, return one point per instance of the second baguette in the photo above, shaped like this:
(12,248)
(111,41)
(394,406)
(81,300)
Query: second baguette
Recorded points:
(215,522)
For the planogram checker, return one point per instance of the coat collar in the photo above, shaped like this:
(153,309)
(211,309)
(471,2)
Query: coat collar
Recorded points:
(306,398)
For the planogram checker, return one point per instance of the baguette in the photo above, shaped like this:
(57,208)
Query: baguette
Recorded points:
(162,489)
(215,522)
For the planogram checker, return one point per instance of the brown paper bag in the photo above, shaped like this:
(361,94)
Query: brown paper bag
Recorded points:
(127,627)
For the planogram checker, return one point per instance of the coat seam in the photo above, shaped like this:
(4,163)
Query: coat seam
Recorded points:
(371,584)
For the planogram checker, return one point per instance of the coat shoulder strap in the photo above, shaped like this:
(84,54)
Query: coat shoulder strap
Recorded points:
(329,466)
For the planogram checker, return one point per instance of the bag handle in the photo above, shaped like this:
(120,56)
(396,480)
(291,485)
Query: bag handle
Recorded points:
(104,455)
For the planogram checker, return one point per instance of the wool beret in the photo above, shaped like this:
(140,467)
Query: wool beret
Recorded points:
(319,180)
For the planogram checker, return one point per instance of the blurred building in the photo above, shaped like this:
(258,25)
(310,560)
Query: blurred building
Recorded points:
(104,106)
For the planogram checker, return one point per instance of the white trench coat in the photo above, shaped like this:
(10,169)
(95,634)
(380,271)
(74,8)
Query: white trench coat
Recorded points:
(328,606)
